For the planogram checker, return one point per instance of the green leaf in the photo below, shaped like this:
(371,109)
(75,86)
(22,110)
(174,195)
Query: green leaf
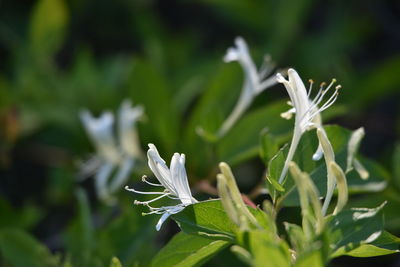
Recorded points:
(188,250)
(338,137)
(124,236)
(313,257)
(351,228)
(242,141)
(268,145)
(266,250)
(208,219)
(80,235)
(20,249)
(25,217)
(296,236)
(48,24)
(148,87)
(385,244)
(275,166)
(303,157)
(214,105)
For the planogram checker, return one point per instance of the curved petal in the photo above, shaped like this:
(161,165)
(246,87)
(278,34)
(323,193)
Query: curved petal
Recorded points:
(122,175)
(159,168)
(127,118)
(100,131)
(181,183)
(163,218)
(101,179)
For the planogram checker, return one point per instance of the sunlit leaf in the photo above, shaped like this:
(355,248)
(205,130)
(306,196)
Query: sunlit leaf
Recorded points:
(351,228)
(188,250)
(207,219)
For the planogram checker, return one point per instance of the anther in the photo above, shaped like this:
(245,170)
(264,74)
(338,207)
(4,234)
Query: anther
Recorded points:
(333,80)
(323,84)
(338,87)
(311,81)
(144,178)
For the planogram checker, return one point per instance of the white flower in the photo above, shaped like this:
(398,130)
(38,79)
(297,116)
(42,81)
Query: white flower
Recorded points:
(129,140)
(254,83)
(307,111)
(100,131)
(112,153)
(173,179)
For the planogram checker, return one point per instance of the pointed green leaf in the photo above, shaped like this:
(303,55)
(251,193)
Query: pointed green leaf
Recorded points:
(266,250)
(385,244)
(19,249)
(148,87)
(242,141)
(313,257)
(188,250)
(268,145)
(207,218)
(351,228)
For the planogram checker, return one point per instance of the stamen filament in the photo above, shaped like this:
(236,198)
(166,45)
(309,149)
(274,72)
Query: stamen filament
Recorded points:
(149,201)
(143,193)
(147,182)
(311,87)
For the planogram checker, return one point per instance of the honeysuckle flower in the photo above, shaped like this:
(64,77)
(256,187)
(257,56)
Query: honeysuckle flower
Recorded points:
(255,81)
(127,118)
(307,111)
(352,148)
(113,156)
(174,181)
(100,131)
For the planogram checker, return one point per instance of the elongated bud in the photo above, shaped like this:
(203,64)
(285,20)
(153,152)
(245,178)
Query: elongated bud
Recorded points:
(230,192)
(226,199)
(341,181)
(309,201)
(329,157)
(352,148)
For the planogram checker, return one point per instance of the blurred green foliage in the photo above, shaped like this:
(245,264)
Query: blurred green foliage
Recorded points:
(60,56)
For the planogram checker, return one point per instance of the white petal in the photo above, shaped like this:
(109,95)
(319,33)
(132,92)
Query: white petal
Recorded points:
(300,99)
(122,175)
(319,153)
(180,180)
(101,179)
(163,218)
(231,55)
(100,131)
(128,137)
(159,168)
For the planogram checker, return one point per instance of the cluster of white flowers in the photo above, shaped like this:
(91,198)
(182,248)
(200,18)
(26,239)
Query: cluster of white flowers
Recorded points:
(112,153)
(174,179)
